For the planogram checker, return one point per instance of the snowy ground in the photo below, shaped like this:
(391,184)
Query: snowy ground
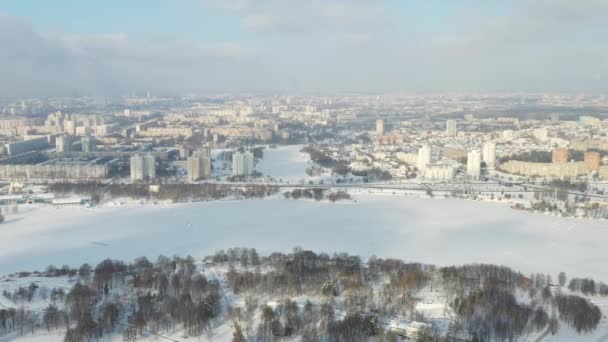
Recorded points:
(440,231)
(284,163)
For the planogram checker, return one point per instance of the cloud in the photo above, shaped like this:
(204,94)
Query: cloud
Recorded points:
(326,45)
(305,16)
(34,63)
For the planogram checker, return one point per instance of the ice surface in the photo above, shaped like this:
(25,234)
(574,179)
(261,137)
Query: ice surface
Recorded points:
(441,231)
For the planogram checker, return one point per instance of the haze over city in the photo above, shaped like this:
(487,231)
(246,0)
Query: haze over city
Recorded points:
(303,170)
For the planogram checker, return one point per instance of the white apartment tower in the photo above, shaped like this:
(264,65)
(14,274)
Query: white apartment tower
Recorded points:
(64,144)
(199,166)
(489,154)
(379,127)
(88,144)
(451,128)
(474,164)
(424,158)
(143,167)
(243,163)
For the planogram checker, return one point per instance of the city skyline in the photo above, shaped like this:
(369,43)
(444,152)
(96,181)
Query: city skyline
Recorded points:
(236,46)
(303,170)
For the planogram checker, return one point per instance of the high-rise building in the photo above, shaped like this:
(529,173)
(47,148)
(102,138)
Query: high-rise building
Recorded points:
(199,166)
(143,167)
(474,164)
(489,154)
(243,163)
(559,156)
(424,158)
(26,146)
(451,128)
(379,127)
(184,152)
(88,144)
(592,161)
(63,144)
(69,126)
(440,171)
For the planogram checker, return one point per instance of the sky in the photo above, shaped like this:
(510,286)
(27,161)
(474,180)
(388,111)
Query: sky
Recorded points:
(114,47)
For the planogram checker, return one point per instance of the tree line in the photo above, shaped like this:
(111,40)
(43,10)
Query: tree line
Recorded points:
(345,299)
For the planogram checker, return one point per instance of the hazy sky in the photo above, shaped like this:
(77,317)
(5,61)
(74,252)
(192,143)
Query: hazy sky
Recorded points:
(117,46)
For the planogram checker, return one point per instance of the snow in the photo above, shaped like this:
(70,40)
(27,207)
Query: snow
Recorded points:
(287,164)
(284,162)
(38,304)
(440,231)
(39,336)
(406,327)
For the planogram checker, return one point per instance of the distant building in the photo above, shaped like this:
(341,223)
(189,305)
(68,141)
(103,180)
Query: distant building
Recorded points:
(199,166)
(603,172)
(310,109)
(474,164)
(16,123)
(410,158)
(166,132)
(592,161)
(59,168)
(489,154)
(453,152)
(589,120)
(584,145)
(143,167)
(451,128)
(541,134)
(69,126)
(547,170)
(64,144)
(424,158)
(559,156)
(184,152)
(390,139)
(379,127)
(243,164)
(440,171)
(26,146)
(88,144)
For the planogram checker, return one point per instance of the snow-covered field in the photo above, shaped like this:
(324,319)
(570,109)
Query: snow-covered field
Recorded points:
(284,162)
(287,164)
(441,231)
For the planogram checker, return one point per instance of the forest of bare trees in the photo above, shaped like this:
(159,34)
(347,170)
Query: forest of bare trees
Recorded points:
(316,296)
(174,192)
